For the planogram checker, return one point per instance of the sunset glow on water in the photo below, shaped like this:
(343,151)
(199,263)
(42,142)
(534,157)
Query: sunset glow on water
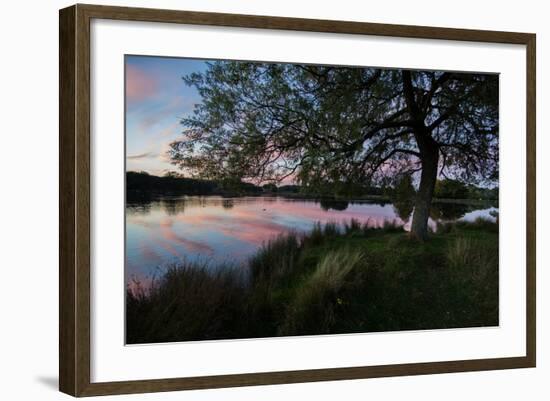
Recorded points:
(218,230)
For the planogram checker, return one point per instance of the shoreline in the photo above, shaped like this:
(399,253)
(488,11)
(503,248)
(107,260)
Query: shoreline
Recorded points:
(330,281)
(151,197)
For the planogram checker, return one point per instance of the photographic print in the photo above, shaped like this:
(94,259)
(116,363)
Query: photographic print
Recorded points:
(272,199)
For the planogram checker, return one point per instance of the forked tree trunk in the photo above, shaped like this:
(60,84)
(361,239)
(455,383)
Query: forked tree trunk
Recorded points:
(430,161)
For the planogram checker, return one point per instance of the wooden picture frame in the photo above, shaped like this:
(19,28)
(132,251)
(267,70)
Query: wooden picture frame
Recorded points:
(74,203)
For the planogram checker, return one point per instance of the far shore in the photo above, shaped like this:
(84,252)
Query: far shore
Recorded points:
(140,196)
(141,187)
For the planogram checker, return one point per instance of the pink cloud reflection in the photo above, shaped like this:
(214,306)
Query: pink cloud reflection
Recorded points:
(168,234)
(259,221)
(205,227)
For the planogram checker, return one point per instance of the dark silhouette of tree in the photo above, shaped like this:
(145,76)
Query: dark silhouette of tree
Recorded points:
(403,191)
(269,187)
(451,189)
(172,174)
(294,189)
(322,125)
(145,187)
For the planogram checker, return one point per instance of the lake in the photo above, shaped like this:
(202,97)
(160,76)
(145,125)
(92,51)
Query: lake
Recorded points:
(215,229)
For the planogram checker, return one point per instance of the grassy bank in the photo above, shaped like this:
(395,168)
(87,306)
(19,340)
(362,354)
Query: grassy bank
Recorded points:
(334,280)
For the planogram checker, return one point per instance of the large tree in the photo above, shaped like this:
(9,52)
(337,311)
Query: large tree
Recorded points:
(325,125)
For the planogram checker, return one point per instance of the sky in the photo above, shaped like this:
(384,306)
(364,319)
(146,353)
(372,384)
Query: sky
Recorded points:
(156,99)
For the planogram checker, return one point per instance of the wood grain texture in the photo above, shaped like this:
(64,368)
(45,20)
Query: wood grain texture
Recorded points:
(83,172)
(74,205)
(74,199)
(531,228)
(301,24)
(67,265)
(301,376)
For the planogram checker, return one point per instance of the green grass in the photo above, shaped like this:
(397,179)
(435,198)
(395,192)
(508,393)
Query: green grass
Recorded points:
(337,279)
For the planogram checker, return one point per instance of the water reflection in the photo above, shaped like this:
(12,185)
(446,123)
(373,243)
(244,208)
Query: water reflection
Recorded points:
(217,229)
(228,203)
(449,211)
(333,204)
(403,210)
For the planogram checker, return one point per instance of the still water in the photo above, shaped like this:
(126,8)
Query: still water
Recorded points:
(216,229)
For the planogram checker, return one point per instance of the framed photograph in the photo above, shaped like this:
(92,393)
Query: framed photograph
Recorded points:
(250,200)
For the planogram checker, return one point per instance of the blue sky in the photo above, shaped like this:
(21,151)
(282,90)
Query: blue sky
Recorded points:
(156,99)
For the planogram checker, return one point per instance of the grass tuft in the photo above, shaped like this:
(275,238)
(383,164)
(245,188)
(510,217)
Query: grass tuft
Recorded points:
(275,259)
(312,308)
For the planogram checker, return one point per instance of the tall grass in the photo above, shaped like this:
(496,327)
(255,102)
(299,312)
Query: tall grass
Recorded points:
(473,269)
(190,301)
(275,259)
(311,309)
(354,226)
(320,233)
(336,279)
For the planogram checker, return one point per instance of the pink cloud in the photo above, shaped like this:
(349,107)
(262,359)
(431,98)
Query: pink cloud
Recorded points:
(139,85)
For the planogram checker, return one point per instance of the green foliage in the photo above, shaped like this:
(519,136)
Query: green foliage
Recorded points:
(475,192)
(335,128)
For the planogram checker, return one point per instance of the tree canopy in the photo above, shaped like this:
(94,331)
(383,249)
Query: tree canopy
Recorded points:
(328,125)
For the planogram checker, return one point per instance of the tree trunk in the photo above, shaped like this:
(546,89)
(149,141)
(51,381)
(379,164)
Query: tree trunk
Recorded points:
(430,161)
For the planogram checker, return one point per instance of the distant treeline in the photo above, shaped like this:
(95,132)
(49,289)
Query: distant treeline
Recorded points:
(142,186)
(403,190)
